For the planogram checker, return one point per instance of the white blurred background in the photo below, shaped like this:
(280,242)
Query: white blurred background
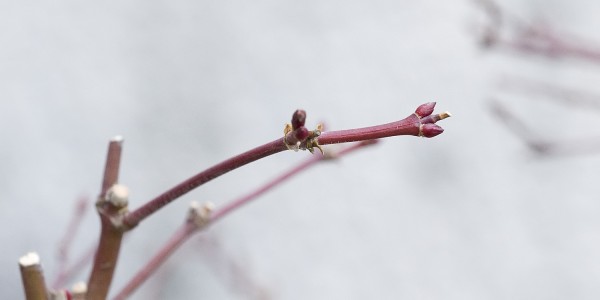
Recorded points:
(470,214)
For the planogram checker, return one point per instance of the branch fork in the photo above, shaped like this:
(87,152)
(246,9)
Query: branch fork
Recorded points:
(114,206)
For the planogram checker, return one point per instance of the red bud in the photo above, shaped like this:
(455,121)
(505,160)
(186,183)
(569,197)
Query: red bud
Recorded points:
(425,110)
(298,119)
(430,130)
(301,133)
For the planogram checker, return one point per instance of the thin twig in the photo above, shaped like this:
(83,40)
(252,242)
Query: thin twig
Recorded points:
(416,124)
(111,203)
(533,39)
(67,240)
(572,97)
(543,146)
(236,204)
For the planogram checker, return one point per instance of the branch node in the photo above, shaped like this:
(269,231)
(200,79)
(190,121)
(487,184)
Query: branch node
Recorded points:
(312,141)
(200,214)
(287,129)
(118,196)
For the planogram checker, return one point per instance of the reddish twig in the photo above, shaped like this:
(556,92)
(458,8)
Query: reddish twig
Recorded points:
(111,206)
(236,204)
(200,218)
(297,137)
(67,240)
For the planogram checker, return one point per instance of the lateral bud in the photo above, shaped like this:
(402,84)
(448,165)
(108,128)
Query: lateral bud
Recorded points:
(430,130)
(425,110)
(118,196)
(298,119)
(200,214)
(301,133)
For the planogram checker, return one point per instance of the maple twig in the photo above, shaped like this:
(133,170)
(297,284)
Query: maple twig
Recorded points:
(420,123)
(111,206)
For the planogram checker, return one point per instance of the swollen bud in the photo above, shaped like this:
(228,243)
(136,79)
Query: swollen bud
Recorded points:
(301,133)
(298,119)
(425,110)
(430,130)
(118,195)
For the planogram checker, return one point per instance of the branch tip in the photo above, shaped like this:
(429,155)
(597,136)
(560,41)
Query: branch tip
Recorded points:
(79,288)
(445,115)
(117,139)
(200,214)
(29,259)
(434,118)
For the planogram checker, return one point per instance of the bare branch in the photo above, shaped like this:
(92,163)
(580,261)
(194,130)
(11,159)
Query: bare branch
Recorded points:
(294,138)
(111,206)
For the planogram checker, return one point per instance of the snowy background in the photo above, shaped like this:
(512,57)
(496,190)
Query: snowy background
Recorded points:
(470,214)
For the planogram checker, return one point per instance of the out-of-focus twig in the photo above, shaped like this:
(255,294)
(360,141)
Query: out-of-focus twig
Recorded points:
(540,145)
(67,240)
(71,270)
(504,30)
(297,136)
(574,98)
